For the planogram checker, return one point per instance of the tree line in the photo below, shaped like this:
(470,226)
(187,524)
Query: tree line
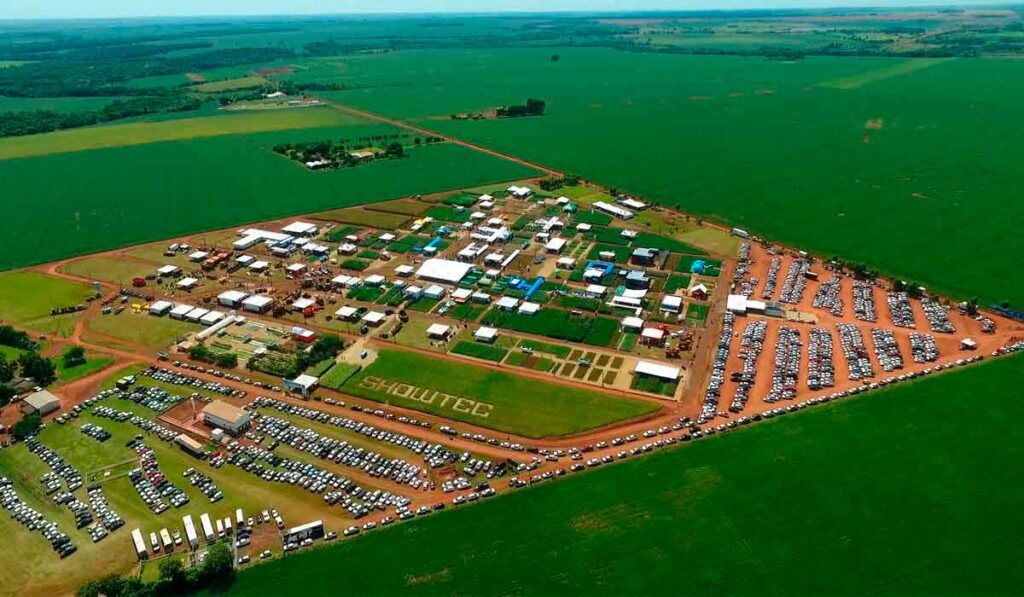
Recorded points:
(14,124)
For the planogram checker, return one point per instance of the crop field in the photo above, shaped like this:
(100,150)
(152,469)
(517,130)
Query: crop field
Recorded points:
(139,133)
(26,299)
(879,146)
(121,196)
(493,399)
(840,499)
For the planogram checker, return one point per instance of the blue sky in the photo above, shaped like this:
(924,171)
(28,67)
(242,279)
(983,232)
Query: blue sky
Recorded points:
(38,9)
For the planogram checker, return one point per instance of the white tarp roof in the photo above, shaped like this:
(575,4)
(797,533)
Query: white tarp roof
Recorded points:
(232,296)
(299,228)
(528,308)
(374,317)
(444,270)
(657,370)
(187,282)
(346,312)
(485,333)
(737,303)
(632,322)
(259,300)
(438,329)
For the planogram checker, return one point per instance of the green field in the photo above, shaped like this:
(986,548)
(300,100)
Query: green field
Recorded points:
(139,328)
(876,495)
(26,299)
(115,197)
(493,399)
(808,176)
(138,133)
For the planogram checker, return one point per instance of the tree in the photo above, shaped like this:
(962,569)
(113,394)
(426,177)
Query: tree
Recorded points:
(972,306)
(172,574)
(6,370)
(27,426)
(218,568)
(6,395)
(73,357)
(394,150)
(555,58)
(38,368)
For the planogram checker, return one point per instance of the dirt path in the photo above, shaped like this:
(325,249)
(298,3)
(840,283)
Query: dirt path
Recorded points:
(450,139)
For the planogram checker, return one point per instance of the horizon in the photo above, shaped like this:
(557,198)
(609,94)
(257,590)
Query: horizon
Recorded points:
(60,10)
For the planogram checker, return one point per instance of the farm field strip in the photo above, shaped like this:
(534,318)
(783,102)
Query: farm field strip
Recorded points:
(140,133)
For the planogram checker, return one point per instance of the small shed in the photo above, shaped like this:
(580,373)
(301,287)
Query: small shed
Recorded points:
(438,331)
(486,334)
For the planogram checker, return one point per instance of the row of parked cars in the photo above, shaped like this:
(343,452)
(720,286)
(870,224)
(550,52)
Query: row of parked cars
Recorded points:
(341,452)
(786,367)
(855,352)
(123,416)
(772,279)
(155,399)
(435,455)
(900,310)
(923,348)
(204,484)
(821,366)
(864,301)
(709,408)
(887,351)
(180,379)
(33,520)
(96,432)
(796,281)
(151,483)
(110,519)
(58,466)
(937,315)
(751,345)
(829,296)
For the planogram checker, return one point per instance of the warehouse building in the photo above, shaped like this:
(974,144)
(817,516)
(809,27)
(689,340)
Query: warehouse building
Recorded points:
(226,416)
(41,402)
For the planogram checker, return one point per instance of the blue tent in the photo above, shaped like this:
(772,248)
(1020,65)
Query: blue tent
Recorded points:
(697,267)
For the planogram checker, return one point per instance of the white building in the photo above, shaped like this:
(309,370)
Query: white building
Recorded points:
(160,308)
(614,210)
(187,283)
(443,270)
(300,229)
(232,298)
(257,303)
(486,334)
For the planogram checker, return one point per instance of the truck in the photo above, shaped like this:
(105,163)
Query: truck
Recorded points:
(165,537)
(190,532)
(207,527)
(140,544)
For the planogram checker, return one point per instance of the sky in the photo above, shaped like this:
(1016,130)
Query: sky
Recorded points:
(60,9)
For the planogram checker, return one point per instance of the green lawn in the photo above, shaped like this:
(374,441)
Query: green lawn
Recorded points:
(90,366)
(338,374)
(498,400)
(876,495)
(480,351)
(142,328)
(26,299)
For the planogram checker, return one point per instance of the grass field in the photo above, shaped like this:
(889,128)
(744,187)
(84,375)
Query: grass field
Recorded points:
(518,405)
(140,328)
(816,170)
(876,495)
(230,84)
(26,299)
(93,364)
(115,197)
(138,133)
(109,269)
